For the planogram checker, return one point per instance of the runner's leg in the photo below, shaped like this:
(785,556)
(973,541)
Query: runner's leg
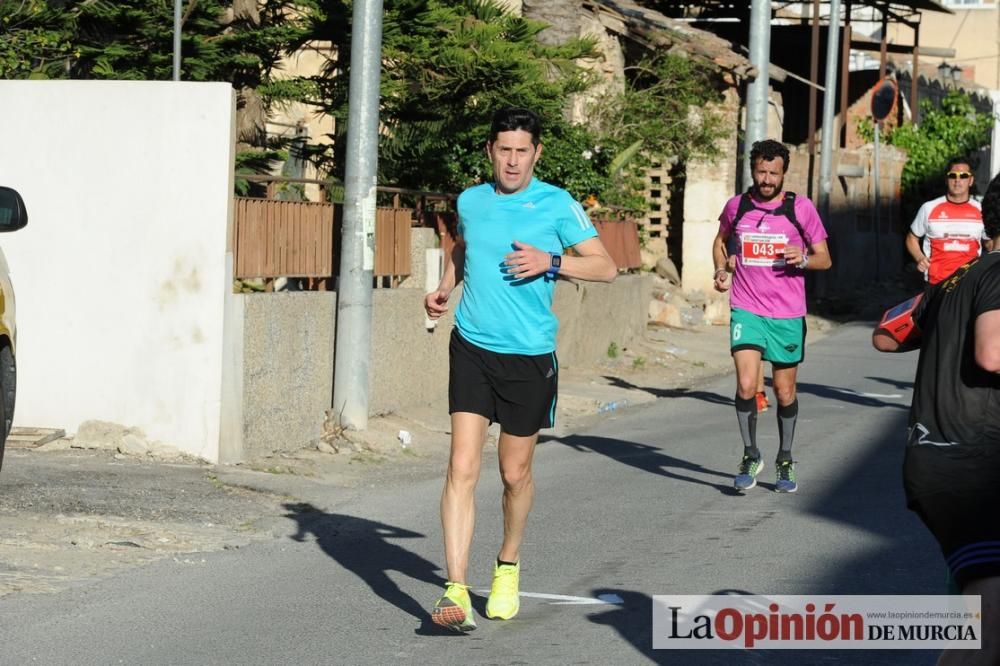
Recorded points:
(788,408)
(762,403)
(783,381)
(458,507)
(516,454)
(747,362)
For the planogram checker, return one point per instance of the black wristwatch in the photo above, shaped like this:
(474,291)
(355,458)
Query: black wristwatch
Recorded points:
(555,264)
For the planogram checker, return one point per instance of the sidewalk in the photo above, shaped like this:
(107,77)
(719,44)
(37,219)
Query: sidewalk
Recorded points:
(71,514)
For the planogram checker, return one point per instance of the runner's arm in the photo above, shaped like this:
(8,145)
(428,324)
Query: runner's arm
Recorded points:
(721,262)
(436,302)
(913,247)
(988,341)
(883,342)
(818,258)
(593,262)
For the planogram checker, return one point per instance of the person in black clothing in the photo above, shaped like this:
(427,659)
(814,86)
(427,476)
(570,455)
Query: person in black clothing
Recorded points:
(951,468)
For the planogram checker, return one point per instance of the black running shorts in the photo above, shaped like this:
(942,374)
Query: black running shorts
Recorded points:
(956,492)
(517,391)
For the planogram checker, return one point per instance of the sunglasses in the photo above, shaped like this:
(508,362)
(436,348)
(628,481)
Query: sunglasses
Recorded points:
(959,174)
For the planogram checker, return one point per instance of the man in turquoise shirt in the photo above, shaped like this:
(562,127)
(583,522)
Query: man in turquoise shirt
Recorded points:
(503,368)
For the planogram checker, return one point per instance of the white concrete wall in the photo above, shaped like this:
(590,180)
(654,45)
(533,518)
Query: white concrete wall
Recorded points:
(120,274)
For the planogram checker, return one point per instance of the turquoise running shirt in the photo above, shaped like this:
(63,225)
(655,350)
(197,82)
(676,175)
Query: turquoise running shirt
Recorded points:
(497,312)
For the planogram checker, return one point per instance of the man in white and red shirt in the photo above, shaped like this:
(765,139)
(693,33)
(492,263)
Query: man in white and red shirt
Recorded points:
(951,227)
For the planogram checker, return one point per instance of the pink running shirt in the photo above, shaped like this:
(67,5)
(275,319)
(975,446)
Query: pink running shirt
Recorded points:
(763,284)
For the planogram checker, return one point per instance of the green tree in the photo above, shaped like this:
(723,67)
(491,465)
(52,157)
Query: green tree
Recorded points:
(236,41)
(36,39)
(447,65)
(953,129)
(666,110)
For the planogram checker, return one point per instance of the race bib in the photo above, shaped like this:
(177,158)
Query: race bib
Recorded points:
(763,249)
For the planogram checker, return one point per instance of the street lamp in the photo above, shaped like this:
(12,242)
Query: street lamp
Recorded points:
(956,74)
(944,72)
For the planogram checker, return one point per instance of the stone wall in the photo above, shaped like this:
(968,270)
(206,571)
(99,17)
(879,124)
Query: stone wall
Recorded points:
(288,359)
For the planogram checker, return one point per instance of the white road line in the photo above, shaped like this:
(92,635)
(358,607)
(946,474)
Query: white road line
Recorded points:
(882,396)
(566,600)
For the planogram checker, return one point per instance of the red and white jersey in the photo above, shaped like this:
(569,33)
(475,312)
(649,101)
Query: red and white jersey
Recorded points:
(952,234)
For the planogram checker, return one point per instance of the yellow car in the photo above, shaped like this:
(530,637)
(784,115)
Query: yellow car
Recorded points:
(13,216)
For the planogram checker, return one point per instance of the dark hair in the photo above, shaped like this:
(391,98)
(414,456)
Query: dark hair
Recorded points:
(515,118)
(767,150)
(991,208)
(958,160)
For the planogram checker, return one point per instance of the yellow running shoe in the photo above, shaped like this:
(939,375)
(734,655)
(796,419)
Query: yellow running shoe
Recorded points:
(454,609)
(504,601)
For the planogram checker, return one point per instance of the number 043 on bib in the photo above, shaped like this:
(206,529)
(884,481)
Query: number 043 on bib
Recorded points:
(763,249)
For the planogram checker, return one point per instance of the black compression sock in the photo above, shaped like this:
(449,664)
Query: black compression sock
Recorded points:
(746,414)
(787,416)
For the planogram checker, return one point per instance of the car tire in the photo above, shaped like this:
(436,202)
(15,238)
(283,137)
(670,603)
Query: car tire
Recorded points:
(8,391)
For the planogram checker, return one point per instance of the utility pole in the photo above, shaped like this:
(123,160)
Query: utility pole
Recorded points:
(357,253)
(760,56)
(829,101)
(177,40)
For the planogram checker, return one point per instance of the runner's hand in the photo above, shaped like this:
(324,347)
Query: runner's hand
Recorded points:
(722,282)
(526,261)
(436,303)
(794,256)
(924,265)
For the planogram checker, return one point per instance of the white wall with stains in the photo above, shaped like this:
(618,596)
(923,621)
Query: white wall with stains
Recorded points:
(120,275)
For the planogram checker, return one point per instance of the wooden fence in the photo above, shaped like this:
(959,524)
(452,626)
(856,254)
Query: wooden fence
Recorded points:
(621,238)
(302,239)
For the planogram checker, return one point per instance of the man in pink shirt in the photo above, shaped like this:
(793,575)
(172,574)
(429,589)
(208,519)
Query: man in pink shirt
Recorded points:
(775,237)
(948,231)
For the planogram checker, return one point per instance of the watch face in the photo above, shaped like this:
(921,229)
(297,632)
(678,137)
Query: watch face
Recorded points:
(556,261)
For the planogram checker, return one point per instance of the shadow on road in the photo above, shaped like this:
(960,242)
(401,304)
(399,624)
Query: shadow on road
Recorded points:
(683,392)
(363,547)
(885,550)
(896,383)
(632,619)
(648,458)
(849,396)
(819,390)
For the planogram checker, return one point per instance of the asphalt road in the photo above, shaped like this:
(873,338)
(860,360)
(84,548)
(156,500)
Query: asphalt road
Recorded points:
(640,505)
